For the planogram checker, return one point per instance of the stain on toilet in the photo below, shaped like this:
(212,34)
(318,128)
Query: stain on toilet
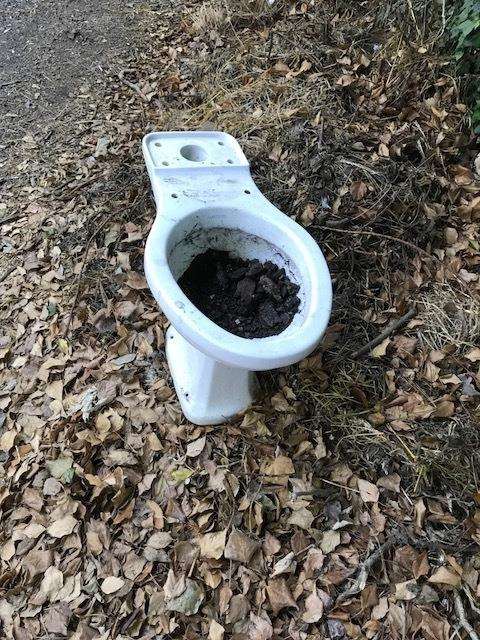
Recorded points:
(248,298)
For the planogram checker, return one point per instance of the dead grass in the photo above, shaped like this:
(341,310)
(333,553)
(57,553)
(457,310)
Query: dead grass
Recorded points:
(450,317)
(223,15)
(207,17)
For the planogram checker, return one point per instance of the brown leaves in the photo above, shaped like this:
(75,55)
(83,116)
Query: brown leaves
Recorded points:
(282,69)
(215,631)
(240,547)
(302,518)
(279,595)
(260,627)
(188,601)
(368,491)
(444,409)
(390,482)
(358,189)
(473,354)
(112,584)
(278,469)
(57,618)
(36,562)
(62,527)
(212,545)
(445,576)
(381,349)
(313,611)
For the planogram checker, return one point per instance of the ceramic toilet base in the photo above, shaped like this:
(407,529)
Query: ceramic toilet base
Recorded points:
(209,391)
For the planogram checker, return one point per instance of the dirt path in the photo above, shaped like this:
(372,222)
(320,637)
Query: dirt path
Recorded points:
(49,49)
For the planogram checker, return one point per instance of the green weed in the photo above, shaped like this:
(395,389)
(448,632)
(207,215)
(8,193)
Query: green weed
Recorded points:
(464,28)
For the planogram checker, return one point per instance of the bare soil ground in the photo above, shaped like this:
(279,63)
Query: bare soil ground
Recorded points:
(346,504)
(48,49)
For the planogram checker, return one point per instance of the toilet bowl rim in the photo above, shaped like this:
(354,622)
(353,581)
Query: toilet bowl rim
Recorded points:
(250,353)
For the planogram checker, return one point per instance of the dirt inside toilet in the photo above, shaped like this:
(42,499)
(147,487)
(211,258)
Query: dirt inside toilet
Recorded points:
(248,298)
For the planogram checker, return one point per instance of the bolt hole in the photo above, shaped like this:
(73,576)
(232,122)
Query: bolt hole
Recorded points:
(220,143)
(165,163)
(247,191)
(174,195)
(158,144)
(193,152)
(230,161)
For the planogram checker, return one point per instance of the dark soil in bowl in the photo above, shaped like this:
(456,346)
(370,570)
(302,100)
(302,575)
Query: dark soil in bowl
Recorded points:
(248,298)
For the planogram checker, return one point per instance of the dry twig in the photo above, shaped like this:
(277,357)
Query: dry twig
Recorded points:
(132,86)
(5,275)
(364,569)
(79,276)
(12,218)
(393,326)
(462,618)
(358,232)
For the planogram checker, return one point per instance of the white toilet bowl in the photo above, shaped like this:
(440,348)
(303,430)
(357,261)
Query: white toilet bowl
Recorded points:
(206,198)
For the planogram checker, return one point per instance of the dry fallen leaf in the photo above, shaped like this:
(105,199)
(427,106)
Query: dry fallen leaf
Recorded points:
(260,628)
(380,610)
(62,527)
(286,564)
(57,618)
(112,584)
(196,447)
(174,585)
(407,590)
(279,595)
(102,477)
(313,608)
(445,576)
(444,409)
(212,544)
(189,601)
(390,482)
(238,609)
(215,631)
(368,492)
(381,349)
(7,440)
(330,541)
(420,511)
(473,354)
(240,547)
(52,583)
(358,189)
(159,540)
(302,518)
(281,466)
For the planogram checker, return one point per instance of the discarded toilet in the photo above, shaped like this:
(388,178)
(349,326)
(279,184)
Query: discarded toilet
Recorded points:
(207,203)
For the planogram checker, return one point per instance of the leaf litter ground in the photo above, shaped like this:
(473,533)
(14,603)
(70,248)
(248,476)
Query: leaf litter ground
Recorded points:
(346,503)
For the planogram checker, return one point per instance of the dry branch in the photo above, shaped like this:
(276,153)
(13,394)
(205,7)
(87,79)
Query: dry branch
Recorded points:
(393,326)
(462,618)
(364,569)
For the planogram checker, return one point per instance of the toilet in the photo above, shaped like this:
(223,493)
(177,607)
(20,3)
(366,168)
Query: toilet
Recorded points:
(205,198)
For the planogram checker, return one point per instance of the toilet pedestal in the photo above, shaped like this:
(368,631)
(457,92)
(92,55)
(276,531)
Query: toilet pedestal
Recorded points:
(209,391)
